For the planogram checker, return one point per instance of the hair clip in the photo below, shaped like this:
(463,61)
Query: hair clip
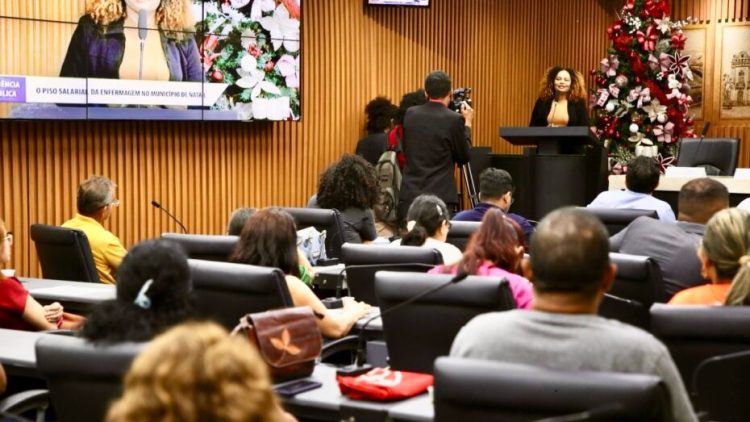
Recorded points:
(439,210)
(141,300)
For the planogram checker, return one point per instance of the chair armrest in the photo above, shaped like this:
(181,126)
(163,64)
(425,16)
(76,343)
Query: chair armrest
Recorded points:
(25,401)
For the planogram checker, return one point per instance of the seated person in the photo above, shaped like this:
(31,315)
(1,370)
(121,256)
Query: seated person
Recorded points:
(197,372)
(673,245)
(570,271)
(495,191)
(496,249)
(238,219)
(269,239)
(95,202)
(428,224)
(20,311)
(153,294)
(641,180)
(725,261)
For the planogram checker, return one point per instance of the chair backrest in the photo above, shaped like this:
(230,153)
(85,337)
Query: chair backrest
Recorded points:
(362,261)
(460,232)
(417,333)
(83,378)
(209,247)
(481,390)
(718,155)
(721,384)
(638,278)
(625,310)
(225,291)
(695,333)
(322,219)
(64,254)
(615,219)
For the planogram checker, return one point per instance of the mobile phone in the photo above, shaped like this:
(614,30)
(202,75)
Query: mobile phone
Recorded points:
(293,388)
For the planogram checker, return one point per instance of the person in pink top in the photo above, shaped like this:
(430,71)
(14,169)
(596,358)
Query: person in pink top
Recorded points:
(495,250)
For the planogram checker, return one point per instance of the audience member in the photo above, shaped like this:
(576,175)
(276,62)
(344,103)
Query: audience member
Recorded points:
(641,180)
(380,115)
(725,261)
(95,202)
(350,186)
(428,222)
(269,239)
(673,245)
(496,191)
(396,134)
(238,219)
(496,250)
(197,372)
(570,271)
(153,294)
(20,311)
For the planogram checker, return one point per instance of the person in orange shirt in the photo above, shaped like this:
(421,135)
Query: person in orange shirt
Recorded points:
(725,261)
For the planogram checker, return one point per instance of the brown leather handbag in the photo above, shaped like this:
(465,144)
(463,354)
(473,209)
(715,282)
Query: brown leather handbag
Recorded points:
(288,339)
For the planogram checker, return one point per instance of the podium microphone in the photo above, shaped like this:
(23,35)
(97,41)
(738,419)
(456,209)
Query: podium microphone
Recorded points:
(156,204)
(142,33)
(700,142)
(360,366)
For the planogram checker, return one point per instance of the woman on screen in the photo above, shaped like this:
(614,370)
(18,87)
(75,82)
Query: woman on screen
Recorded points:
(107,42)
(562,99)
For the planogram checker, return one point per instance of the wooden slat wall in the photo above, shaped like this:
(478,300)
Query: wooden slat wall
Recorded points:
(201,171)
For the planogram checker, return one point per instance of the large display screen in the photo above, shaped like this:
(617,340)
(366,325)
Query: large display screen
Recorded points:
(150,59)
(413,3)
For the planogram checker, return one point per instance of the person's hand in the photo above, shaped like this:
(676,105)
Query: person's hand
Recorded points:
(468,113)
(358,309)
(53,312)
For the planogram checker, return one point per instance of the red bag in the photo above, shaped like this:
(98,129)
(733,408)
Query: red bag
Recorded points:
(383,384)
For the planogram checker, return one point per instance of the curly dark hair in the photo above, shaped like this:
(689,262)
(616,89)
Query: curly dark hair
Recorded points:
(380,112)
(410,99)
(577,83)
(350,182)
(269,239)
(165,264)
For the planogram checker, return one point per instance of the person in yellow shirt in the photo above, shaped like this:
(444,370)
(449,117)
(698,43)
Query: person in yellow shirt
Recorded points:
(95,202)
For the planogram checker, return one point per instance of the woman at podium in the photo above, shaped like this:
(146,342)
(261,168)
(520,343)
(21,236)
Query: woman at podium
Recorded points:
(562,99)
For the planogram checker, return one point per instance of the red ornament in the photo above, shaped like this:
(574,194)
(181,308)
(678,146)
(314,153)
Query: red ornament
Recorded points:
(623,42)
(636,64)
(678,41)
(217,76)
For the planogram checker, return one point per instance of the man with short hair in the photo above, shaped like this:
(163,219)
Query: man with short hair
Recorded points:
(641,180)
(435,139)
(495,191)
(95,201)
(674,246)
(570,272)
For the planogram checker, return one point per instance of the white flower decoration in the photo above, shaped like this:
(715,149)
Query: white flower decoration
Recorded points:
(260,6)
(272,108)
(250,75)
(663,25)
(284,30)
(655,110)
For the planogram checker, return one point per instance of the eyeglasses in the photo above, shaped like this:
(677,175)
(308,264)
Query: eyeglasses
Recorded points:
(9,237)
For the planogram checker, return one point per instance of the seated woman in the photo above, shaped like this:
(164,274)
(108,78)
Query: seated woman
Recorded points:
(269,239)
(197,372)
(725,261)
(20,311)
(496,249)
(428,222)
(153,290)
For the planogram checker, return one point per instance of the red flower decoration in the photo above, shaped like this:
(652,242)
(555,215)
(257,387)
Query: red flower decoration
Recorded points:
(636,64)
(648,40)
(656,92)
(623,42)
(657,8)
(678,40)
(614,29)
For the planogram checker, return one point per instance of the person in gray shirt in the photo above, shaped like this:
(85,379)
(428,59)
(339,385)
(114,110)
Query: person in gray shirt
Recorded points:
(571,271)
(674,246)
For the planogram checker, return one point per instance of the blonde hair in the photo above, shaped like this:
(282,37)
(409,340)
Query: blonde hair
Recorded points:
(726,243)
(174,17)
(577,84)
(197,372)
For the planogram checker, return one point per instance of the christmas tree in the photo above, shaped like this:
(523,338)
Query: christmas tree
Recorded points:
(640,104)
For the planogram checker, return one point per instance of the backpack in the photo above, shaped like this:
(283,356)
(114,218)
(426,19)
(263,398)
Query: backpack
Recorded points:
(389,178)
(312,243)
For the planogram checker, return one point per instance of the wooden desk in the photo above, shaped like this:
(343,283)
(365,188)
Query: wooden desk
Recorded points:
(17,353)
(75,296)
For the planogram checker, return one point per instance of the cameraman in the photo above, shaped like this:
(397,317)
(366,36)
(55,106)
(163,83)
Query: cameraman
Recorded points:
(435,138)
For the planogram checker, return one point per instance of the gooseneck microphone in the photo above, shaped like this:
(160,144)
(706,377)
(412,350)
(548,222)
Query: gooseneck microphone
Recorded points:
(142,33)
(156,204)
(360,366)
(700,141)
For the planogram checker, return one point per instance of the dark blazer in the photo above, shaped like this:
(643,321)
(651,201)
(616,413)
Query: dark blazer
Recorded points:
(435,139)
(578,115)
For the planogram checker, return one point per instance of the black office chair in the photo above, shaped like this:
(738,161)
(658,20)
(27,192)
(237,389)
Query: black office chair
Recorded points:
(64,254)
(625,310)
(638,278)
(480,390)
(460,232)
(362,261)
(615,219)
(322,219)
(721,385)
(208,247)
(695,333)
(224,291)
(717,155)
(419,332)
(83,378)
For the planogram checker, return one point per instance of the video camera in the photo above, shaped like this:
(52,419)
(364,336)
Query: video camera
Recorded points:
(460,96)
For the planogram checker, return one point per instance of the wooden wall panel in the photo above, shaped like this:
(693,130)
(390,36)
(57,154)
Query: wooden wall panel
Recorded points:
(351,53)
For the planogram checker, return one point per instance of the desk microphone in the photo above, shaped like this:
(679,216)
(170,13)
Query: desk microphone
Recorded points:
(142,33)
(700,142)
(360,366)
(156,204)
